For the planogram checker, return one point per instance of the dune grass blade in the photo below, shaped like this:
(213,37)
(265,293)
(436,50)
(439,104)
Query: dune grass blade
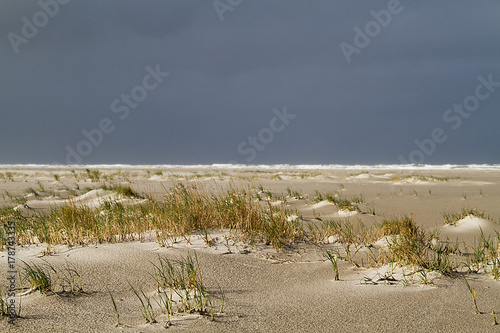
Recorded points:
(37,277)
(145,306)
(117,314)
(333,259)
(473,294)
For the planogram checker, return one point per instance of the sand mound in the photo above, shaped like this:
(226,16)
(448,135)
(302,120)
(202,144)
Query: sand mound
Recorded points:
(361,176)
(157,178)
(93,199)
(411,180)
(470,223)
(322,204)
(345,213)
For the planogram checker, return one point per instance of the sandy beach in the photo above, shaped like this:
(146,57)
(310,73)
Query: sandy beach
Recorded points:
(263,287)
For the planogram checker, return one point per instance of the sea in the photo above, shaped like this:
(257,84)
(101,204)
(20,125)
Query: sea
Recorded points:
(263,166)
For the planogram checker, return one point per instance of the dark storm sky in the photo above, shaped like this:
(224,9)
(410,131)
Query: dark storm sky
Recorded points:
(63,68)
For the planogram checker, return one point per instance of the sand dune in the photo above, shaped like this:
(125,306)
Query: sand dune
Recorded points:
(471,224)
(267,290)
(93,199)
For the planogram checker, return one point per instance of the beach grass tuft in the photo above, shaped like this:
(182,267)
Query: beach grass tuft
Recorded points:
(452,218)
(349,204)
(41,277)
(333,259)
(184,210)
(123,190)
(184,279)
(38,277)
(413,178)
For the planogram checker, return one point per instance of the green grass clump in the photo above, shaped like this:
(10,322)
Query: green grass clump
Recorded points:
(452,218)
(7,176)
(184,279)
(484,254)
(94,175)
(410,245)
(38,277)
(31,190)
(184,210)
(68,279)
(399,225)
(349,204)
(294,194)
(333,259)
(350,233)
(123,190)
(423,178)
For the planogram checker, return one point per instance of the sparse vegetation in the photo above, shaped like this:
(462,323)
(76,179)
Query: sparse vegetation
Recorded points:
(183,211)
(94,175)
(145,305)
(407,245)
(415,178)
(333,259)
(8,176)
(473,294)
(184,279)
(40,186)
(349,204)
(123,190)
(31,190)
(452,218)
(294,194)
(40,278)
(117,314)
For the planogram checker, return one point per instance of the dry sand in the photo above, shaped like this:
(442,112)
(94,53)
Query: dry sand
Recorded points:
(268,291)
